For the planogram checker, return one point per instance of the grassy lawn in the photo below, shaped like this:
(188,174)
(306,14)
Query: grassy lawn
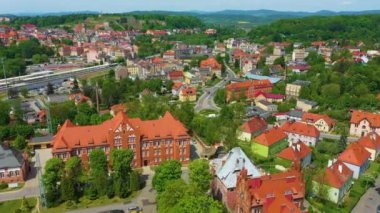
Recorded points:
(20,185)
(84,203)
(11,206)
(211,83)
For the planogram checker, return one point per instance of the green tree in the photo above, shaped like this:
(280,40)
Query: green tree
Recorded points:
(220,97)
(200,204)
(49,89)
(280,61)
(135,181)
(200,174)
(166,172)
(51,177)
(25,206)
(174,192)
(75,88)
(342,142)
(98,172)
(24,92)
(331,91)
(19,143)
(4,113)
(71,179)
(121,169)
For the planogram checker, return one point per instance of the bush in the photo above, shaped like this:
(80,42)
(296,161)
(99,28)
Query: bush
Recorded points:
(3,186)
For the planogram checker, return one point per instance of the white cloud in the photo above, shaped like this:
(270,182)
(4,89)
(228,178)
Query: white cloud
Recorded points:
(346,2)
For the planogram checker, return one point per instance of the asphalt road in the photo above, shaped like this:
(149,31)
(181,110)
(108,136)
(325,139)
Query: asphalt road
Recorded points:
(370,200)
(206,101)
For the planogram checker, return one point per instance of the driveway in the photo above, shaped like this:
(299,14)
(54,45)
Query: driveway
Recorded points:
(146,198)
(31,187)
(370,200)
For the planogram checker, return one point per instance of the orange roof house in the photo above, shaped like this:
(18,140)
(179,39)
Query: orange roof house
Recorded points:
(337,177)
(79,98)
(176,76)
(371,143)
(252,128)
(248,89)
(124,132)
(363,122)
(188,94)
(212,64)
(322,122)
(297,152)
(282,192)
(296,131)
(115,109)
(356,157)
(270,142)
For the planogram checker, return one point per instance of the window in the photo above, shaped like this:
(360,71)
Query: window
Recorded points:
(10,173)
(1,174)
(17,172)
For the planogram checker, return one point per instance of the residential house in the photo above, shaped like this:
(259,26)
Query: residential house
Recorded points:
(252,128)
(270,97)
(152,141)
(121,72)
(247,89)
(371,142)
(188,94)
(281,192)
(322,122)
(298,131)
(79,98)
(253,111)
(306,105)
(266,105)
(293,90)
(363,122)
(176,76)
(270,142)
(298,153)
(294,115)
(14,166)
(169,55)
(336,179)
(299,54)
(356,158)
(176,88)
(226,171)
(213,64)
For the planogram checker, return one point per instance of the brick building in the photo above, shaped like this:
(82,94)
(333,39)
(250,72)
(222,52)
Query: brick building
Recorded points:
(152,141)
(248,89)
(282,192)
(14,166)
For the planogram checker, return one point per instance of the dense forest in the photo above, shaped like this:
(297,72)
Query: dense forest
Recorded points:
(346,29)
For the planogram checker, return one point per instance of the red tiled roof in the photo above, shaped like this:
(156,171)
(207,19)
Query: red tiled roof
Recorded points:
(277,187)
(270,95)
(253,125)
(118,108)
(355,154)
(176,74)
(210,62)
(357,116)
(371,140)
(177,85)
(337,175)
(295,152)
(312,118)
(70,136)
(301,129)
(257,84)
(271,136)
(190,91)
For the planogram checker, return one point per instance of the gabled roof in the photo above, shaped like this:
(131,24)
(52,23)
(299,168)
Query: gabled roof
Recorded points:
(70,136)
(295,152)
(373,118)
(336,175)
(355,154)
(257,84)
(10,158)
(253,125)
(189,91)
(371,140)
(271,136)
(210,62)
(269,95)
(228,167)
(312,118)
(301,129)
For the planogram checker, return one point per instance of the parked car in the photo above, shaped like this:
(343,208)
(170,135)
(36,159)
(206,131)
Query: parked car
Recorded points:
(378,209)
(134,209)
(113,211)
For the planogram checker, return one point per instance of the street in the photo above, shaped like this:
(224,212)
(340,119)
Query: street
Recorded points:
(370,200)
(206,101)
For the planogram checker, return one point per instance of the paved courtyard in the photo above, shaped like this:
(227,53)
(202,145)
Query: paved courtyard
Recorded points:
(370,200)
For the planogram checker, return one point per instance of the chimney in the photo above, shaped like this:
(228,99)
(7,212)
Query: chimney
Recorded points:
(340,168)
(329,164)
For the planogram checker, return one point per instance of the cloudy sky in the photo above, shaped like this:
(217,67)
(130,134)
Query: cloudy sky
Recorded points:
(43,6)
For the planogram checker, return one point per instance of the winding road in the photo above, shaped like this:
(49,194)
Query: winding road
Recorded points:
(206,101)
